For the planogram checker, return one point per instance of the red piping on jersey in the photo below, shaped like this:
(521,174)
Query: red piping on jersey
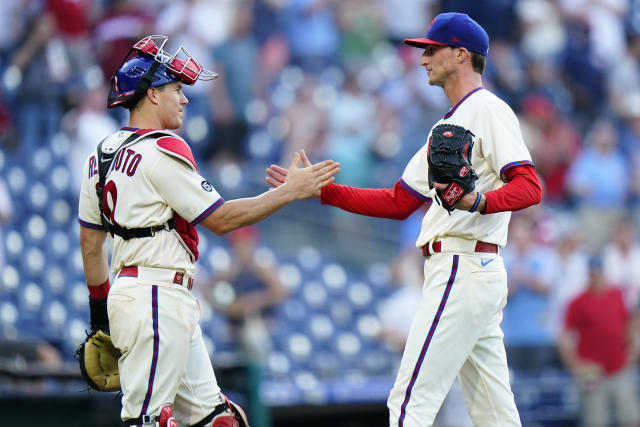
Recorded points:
(395,203)
(455,107)
(522,190)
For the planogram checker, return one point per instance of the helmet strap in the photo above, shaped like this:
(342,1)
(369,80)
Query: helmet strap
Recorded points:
(145,82)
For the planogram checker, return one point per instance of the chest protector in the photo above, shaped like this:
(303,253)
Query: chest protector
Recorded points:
(187,232)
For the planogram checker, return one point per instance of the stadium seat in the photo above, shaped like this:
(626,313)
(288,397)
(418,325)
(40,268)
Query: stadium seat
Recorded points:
(38,197)
(10,277)
(8,313)
(290,276)
(309,259)
(314,294)
(30,298)
(334,277)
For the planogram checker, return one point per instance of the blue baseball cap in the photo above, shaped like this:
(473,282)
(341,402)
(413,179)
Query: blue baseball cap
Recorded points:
(454,29)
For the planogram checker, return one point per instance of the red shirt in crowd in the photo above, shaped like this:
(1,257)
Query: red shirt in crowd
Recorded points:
(601,321)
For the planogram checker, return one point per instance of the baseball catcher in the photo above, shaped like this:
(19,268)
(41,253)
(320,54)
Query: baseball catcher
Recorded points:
(449,158)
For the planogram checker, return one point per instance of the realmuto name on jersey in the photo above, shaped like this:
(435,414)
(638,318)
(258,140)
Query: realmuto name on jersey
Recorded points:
(126,161)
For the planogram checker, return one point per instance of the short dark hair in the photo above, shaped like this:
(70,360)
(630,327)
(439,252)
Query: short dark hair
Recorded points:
(138,103)
(478,62)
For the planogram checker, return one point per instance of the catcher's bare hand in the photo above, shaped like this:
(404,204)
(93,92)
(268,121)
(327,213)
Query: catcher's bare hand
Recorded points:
(465,202)
(319,175)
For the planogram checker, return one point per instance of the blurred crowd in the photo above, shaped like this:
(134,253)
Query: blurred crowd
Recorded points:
(334,78)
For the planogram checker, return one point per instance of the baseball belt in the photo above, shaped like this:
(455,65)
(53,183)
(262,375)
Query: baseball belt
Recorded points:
(436,247)
(157,274)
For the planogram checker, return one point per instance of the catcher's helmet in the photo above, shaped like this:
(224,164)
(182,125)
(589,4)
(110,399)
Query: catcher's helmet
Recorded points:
(150,67)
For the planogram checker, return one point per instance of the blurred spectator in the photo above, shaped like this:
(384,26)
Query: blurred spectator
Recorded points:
(596,348)
(72,40)
(630,143)
(404,17)
(236,62)
(624,78)
(307,123)
(85,126)
(36,68)
(527,332)
(604,21)
(582,74)
(497,17)
(554,143)
(543,78)
(267,18)
(352,131)
(247,293)
(621,259)
(543,35)
(312,32)
(120,25)
(257,290)
(396,311)
(505,69)
(599,182)
(570,275)
(202,25)
(361,27)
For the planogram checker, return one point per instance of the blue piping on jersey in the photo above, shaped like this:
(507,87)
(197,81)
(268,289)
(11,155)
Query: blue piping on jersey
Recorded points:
(455,107)
(210,209)
(513,165)
(414,192)
(425,346)
(156,350)
(89,225)
(130,129)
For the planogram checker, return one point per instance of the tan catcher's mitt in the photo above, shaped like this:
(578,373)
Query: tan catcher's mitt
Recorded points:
(99,362)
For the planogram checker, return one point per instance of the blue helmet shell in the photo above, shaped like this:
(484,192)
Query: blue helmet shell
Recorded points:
(128,77)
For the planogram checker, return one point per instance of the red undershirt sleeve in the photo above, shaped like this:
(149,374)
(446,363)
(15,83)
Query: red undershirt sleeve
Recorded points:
(395,203)
(522,190)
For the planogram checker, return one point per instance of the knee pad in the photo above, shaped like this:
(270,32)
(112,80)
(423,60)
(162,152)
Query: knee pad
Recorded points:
(227,414)
(166,417)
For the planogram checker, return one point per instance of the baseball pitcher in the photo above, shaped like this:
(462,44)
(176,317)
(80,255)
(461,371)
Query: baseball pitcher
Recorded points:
(477,168)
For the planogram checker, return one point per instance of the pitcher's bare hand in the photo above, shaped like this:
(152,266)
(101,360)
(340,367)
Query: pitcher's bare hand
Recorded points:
(277,175)
(304,182)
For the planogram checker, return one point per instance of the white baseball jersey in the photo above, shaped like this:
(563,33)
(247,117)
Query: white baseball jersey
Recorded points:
(498,146)
(148,181)
(456,330)
(154,320)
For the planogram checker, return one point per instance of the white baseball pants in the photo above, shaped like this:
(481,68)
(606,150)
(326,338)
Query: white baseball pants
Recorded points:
(154,322)
(456,331)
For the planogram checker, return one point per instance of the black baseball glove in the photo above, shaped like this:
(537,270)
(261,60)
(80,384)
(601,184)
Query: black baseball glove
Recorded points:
(449,157)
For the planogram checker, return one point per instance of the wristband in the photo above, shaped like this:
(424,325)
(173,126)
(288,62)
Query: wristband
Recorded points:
(475,205)
(99,292)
